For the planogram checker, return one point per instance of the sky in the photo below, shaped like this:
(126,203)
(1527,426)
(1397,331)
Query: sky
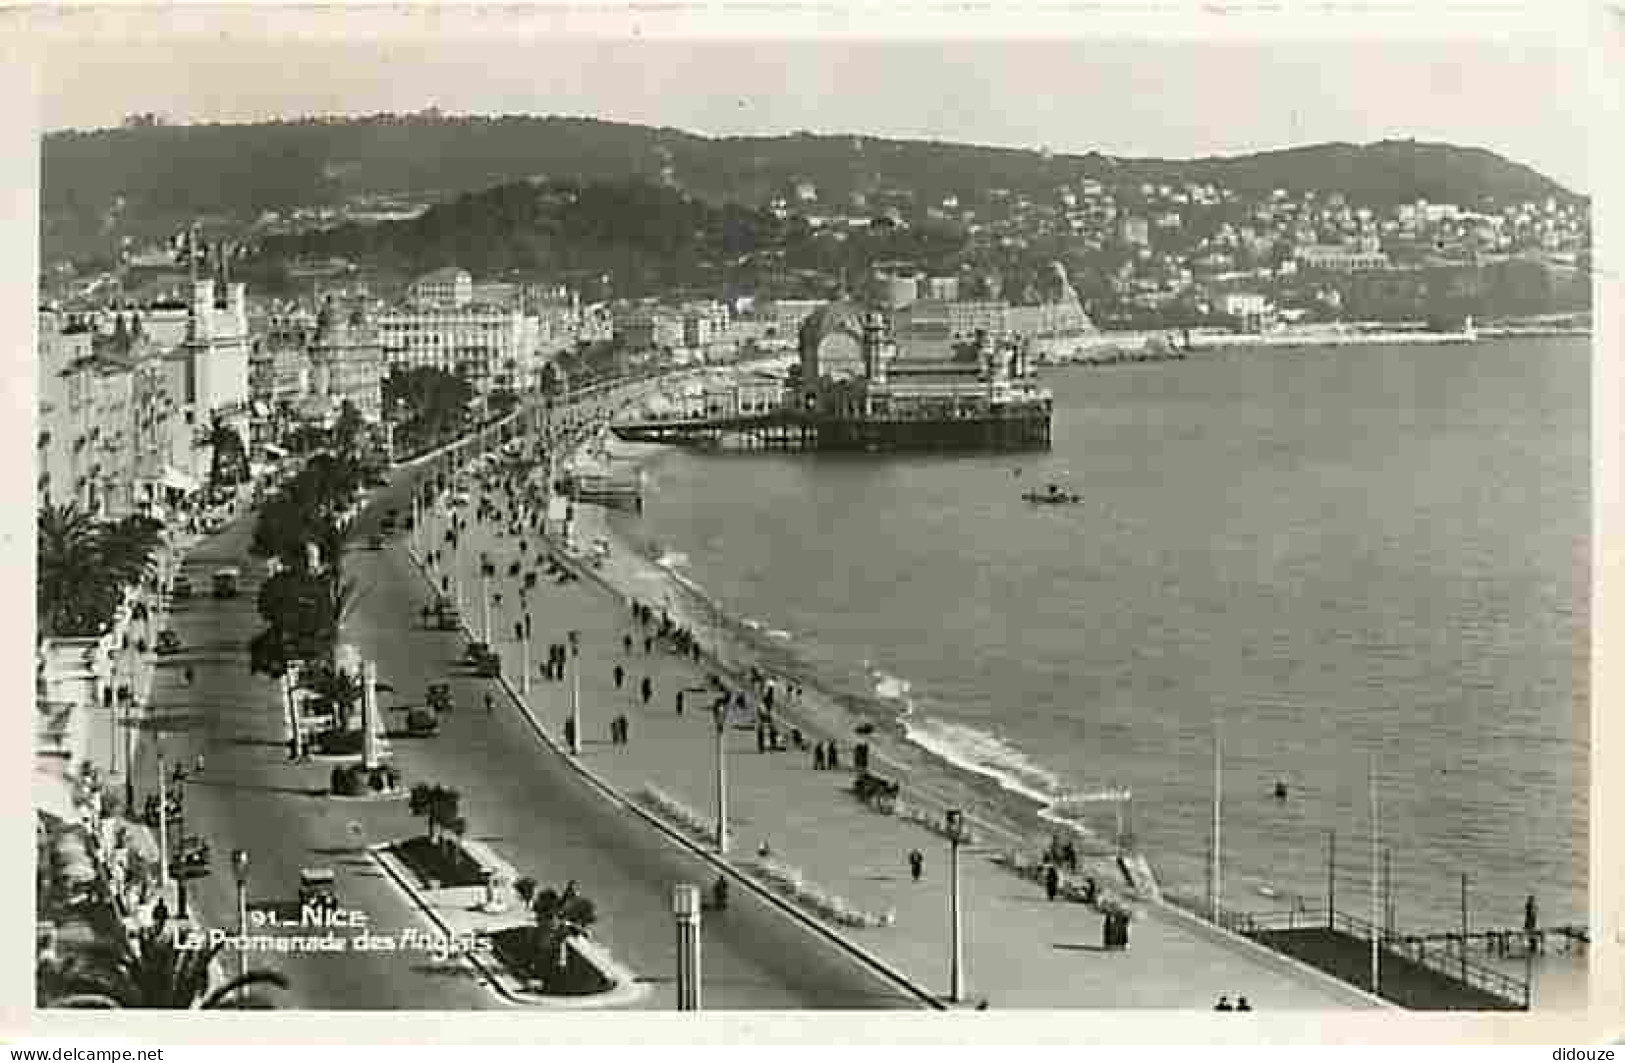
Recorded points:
(1176,98)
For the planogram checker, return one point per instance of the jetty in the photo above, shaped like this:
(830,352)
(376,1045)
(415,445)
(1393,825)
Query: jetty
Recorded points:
(1421,971)
(852,391)
(790,430)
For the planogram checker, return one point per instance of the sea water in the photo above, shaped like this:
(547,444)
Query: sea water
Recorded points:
(1337,559)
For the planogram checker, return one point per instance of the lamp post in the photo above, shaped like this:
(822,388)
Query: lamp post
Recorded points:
(163,831)
(575,693)
(128,716)
(485,607)
(719,712)
(239,867)
(1376,896)
(524,661)
(685,905)
(955,823)
(1216,872)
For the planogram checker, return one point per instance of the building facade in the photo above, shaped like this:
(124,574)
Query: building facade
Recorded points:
(347,363)
(493,349)
(449,288)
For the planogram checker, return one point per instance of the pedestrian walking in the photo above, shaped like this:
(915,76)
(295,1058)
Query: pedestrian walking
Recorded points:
(626,731)
(761,738)
(519,631)
(679,703)
(1052,882)
(647,689)
(916,864)
(1531,922)
(620,674)
(834,756)
(648,644)
(189,675)
(197,763)
(626,644)
(490,703)
(818,757)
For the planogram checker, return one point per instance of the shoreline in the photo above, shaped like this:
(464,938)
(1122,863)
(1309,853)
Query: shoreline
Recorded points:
(643,570)
(1107,348)
(996,782)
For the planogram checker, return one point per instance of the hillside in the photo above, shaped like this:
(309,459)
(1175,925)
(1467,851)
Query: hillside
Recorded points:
(142,179)
(644,237)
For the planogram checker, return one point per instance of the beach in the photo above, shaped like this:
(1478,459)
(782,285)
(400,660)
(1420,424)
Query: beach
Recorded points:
(719,543)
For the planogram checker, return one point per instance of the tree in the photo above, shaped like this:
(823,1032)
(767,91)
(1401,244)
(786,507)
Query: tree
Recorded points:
(339,689)
(228,463)
(561,915)
(297,606)
(84,566)
(346,431)
(437,804)
(150,970)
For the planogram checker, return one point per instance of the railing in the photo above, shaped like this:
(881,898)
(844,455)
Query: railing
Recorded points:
(1447,958)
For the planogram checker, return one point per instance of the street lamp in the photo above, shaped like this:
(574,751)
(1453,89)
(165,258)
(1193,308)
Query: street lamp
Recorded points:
(239,867)
(575,692)
(957,835)
(163,831)
(485,607)
(685,905)
(719,713)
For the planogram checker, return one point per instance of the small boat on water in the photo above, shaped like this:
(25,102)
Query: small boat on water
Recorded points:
(1052,495)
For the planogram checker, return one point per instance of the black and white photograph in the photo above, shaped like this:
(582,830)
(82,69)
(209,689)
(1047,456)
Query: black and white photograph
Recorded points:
(542,522)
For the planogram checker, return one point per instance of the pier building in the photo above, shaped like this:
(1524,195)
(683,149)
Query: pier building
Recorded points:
(853,389)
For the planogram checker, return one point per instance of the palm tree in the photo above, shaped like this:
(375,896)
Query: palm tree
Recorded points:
(76,593)
(128,547)
(151,970)
(561,916)
(339,689)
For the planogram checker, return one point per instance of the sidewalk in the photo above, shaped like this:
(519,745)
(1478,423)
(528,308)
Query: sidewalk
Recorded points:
(1019,948)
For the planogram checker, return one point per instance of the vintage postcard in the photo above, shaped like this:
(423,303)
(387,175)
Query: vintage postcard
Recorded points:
(588,514)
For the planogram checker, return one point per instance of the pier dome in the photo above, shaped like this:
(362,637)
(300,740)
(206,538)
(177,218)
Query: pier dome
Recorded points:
(831,342)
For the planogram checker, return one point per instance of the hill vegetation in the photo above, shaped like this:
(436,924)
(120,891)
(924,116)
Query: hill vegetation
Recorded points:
(642,237)
(147,176)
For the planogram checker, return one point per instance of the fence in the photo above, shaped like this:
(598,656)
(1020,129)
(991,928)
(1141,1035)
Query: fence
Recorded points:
(1446,958)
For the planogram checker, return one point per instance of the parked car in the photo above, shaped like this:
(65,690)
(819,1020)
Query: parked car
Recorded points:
(192,852)
(489,665)
(375,541)
(318,888)
(225,582)
(439,697)
(422,722)
(168,642)
(180,588)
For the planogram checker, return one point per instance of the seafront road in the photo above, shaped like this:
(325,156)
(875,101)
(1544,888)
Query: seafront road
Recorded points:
(1020,949)
(526,804)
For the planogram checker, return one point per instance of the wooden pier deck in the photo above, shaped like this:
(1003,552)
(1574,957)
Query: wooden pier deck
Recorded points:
(1003,429)
(1435,971)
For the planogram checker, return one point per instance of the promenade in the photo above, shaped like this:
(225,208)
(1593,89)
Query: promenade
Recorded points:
(1019,949)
